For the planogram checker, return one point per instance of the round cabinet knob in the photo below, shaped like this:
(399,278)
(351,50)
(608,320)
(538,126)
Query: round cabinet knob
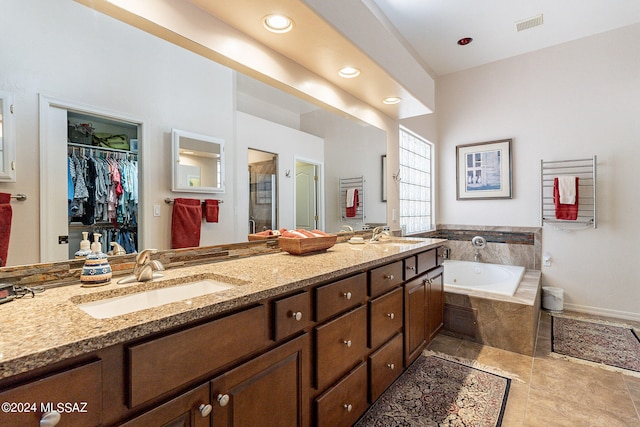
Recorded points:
(347,295)
(391,366)
(205,409)
(50,419)
(347,343)
(348,407)
(223,399)
(297,315)
(391,316)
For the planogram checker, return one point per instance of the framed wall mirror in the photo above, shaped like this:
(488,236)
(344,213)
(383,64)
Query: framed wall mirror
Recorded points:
(198,163)
(7,140)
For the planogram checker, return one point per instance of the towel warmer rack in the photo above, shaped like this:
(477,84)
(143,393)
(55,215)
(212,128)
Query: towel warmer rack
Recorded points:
(585,170)
(344,185)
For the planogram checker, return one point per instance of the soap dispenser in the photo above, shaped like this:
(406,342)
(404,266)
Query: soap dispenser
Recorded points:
(96,270)
(85,248)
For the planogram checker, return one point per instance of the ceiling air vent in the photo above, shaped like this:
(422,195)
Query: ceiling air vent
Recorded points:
(525,24)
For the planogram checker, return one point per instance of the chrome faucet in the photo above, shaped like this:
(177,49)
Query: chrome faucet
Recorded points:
(378,232)
(144,268)
(478,256)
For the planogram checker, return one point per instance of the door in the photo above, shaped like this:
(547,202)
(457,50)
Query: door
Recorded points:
(263,191)
(307,216)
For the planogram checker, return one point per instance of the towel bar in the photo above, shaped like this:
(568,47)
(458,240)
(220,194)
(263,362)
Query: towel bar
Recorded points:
(19,197)
(170,201)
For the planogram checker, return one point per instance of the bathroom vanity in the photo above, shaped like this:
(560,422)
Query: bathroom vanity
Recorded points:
(310,340)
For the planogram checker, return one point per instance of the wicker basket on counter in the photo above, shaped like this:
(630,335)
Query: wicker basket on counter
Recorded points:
(307,245)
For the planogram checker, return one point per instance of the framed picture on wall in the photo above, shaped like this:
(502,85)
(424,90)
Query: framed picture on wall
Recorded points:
(484,170)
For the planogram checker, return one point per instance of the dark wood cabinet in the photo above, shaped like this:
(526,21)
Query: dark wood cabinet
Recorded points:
(424,305)
(272,389)
(340,344)
(415,323)
(162,364)
(78,390)
(314,356)
(191,409)
(435,302)
(342,404)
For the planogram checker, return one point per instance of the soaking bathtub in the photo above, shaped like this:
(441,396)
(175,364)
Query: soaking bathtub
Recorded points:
(479,276)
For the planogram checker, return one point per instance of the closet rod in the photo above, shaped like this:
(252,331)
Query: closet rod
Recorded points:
(170,201)
(95,147)
(19,197)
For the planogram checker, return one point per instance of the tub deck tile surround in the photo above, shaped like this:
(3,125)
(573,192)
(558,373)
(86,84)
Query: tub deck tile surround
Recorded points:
(506,322)
(50,327)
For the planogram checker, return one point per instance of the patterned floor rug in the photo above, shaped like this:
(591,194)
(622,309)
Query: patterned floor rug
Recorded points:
(437,392)
(608,344)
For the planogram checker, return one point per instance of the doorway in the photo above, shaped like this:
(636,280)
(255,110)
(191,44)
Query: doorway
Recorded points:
(308,195)
(263,191)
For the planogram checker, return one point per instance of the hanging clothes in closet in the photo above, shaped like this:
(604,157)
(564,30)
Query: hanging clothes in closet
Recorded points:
(103,193)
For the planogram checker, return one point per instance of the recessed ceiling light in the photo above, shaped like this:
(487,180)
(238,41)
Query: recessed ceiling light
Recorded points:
(349,72)
(465,41)
(392,100)
(278,23)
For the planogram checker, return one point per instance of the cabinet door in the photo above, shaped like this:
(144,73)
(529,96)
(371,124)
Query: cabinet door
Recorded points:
(435,303)
(191,409)
(415,324)
(75,394)
(271,390)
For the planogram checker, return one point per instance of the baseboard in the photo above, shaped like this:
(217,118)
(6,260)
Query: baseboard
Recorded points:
(625,315)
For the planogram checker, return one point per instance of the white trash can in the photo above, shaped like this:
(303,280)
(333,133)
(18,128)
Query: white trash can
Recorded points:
(552,298)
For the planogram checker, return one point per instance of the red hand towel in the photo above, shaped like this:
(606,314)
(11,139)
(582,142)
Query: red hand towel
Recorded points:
(211,210)
(568,212)
(351,212)
(5,226)
(185,223)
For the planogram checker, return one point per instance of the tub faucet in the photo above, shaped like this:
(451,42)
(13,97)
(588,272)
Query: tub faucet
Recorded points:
(477,257)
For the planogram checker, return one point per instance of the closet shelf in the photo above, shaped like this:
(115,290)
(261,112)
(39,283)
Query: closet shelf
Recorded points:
(585,170)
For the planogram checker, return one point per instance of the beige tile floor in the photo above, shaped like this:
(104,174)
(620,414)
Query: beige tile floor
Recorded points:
(551,392)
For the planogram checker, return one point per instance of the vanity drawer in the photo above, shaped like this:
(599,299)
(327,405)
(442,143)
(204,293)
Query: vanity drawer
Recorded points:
(340,296)
(340,344)
(383,278)
(427,260)
(79,387)
(345,402)
(385,317)
(160,365)
(291,314)
(385,365)
(410,268)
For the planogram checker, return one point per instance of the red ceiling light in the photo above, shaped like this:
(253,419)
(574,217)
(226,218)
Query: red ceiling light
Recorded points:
(465,41)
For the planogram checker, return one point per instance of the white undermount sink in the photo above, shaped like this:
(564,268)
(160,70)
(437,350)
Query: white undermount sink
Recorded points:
(116,306)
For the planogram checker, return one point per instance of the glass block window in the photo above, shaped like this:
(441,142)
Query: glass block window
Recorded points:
(416,182)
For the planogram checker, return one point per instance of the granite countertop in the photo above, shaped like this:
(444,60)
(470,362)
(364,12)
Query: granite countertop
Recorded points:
(50,327)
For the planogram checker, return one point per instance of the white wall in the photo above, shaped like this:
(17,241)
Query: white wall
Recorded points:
(569,101)
(288,144)
(351,150)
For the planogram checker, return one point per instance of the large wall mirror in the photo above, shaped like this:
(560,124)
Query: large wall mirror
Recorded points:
(198,162)
(7,141)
